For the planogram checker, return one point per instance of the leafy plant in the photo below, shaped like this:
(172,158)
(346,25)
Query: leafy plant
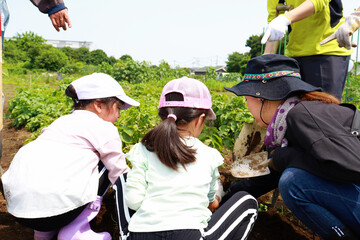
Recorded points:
(51,59)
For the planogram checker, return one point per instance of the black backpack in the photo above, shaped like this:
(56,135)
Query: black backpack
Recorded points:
(355,126)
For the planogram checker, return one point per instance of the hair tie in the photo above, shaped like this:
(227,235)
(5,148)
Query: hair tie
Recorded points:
(172,116)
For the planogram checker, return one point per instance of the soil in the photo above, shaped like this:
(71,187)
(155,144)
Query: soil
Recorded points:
(277,223)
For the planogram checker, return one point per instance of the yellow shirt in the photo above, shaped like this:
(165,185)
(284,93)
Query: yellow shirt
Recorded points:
(306,34)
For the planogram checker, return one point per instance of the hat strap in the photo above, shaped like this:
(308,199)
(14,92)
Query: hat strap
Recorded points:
(262,104)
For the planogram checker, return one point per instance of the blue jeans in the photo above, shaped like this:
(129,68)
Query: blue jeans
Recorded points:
(321,205)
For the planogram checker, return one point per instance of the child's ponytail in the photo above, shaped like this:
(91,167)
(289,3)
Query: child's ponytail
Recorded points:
(165,141)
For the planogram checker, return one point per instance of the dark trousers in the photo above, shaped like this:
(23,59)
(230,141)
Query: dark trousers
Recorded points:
(233,220)
(325,71)
(51,223)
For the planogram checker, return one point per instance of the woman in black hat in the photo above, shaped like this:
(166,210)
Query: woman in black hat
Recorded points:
(311,145)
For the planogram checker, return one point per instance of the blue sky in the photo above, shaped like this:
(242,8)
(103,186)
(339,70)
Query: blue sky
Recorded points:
(187,33)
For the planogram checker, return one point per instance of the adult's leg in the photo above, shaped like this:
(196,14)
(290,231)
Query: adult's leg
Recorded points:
(325,207)
(325,71)
(234,219)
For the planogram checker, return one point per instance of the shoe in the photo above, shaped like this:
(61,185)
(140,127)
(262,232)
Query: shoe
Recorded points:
(79,228)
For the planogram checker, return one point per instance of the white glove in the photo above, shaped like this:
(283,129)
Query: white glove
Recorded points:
(276,29)
(351,24)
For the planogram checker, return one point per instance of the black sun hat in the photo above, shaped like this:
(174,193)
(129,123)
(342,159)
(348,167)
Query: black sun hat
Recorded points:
(272,77)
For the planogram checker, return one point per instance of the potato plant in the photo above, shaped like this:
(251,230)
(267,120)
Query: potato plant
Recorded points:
(38,105)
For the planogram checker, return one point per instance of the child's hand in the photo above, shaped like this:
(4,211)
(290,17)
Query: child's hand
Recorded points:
(213,205)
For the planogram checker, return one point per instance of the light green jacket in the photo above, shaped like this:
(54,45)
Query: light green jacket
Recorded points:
(165,199)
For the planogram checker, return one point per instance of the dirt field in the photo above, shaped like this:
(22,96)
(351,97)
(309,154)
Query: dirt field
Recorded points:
(275,224)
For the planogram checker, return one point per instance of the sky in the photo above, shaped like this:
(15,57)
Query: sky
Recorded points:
(186,33)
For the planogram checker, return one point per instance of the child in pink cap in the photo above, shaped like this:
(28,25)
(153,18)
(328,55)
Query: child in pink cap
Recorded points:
(173,182)
(52,184)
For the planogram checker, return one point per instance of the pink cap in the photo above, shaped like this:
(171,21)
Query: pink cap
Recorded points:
(195,94)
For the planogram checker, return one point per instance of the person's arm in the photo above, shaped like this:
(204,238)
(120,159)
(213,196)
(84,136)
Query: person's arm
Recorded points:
(136,184)
(214,194)
(304,10)
(112,156)
(57,12)
(276,29)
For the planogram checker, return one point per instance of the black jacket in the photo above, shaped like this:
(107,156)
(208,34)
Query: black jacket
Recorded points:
(320,142)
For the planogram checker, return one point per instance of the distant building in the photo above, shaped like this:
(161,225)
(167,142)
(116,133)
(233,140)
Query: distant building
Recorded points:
(202,71)
(72,44)
(67,43)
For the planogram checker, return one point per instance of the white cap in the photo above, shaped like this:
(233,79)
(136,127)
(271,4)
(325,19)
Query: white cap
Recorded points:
(101,85)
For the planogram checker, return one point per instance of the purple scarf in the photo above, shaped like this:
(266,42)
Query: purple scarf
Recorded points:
(275,134)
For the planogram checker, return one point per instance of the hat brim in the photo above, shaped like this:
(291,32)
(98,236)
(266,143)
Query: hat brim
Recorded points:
(211,116)
(129,102)
(272,89)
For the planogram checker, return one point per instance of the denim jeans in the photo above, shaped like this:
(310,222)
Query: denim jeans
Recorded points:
(321,205)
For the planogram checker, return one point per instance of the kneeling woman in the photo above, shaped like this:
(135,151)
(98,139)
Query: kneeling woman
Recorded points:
(313,146)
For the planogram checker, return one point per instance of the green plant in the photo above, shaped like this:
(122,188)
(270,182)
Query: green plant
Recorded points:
(231,113)
(37,104)
(51,59)
(210,73)
(263,207)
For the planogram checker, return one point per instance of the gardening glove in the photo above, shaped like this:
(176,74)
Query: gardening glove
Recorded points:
(276,29)
(351,24)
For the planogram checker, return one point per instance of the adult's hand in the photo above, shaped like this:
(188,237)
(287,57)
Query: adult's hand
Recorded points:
(271,161)
(60,19)
(342,35)
(276,29)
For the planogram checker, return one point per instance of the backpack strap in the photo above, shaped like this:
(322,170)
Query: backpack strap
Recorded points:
(355,125)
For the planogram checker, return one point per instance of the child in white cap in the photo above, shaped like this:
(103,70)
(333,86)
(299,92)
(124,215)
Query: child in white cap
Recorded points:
(173,180)
(52,183)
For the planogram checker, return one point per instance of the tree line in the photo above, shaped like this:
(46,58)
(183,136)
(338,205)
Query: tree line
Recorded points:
(32,52)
